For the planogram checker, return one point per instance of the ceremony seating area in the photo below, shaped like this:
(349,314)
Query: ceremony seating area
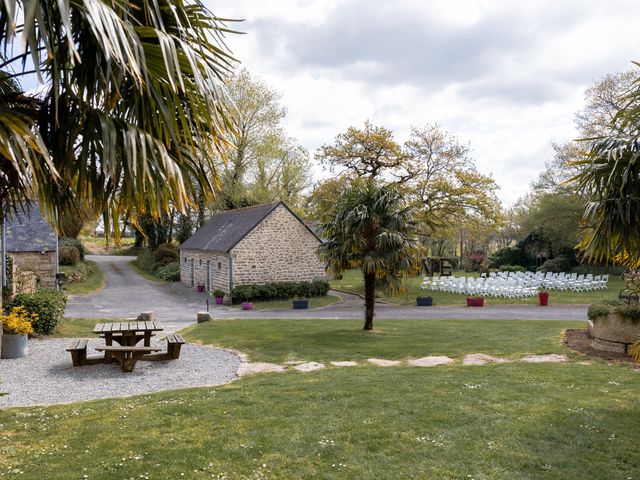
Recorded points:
(516,284)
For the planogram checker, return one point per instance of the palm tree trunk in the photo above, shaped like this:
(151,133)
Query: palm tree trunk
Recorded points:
(369,299)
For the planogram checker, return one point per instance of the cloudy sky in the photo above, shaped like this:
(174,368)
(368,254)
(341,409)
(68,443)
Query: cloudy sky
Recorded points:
(504,76)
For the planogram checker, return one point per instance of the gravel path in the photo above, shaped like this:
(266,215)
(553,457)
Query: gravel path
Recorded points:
(45,375)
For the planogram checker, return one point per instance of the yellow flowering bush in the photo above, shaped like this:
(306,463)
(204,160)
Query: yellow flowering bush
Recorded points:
(18,321)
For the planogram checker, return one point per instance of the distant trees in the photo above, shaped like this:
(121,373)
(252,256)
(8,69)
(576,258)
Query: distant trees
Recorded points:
(432,169)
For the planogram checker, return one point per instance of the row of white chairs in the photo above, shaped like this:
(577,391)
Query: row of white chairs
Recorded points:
(516,284)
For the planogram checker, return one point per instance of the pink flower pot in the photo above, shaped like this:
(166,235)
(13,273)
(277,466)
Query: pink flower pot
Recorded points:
(219,300)
(247,306)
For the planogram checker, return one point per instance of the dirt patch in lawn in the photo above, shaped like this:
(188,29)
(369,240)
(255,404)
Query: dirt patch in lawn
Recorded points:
(580,341)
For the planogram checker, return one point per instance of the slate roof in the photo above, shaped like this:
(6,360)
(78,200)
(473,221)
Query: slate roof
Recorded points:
(28,231)
(226,229)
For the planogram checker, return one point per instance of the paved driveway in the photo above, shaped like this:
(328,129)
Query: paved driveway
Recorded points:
(127,294)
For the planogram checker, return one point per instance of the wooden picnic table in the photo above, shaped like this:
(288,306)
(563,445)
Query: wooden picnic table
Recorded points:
(128,334)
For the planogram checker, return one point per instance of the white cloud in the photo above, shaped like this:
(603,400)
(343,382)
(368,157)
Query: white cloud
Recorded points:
(504,76)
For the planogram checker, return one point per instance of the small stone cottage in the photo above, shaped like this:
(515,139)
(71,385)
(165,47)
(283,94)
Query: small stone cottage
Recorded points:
(31,246)
(262,244)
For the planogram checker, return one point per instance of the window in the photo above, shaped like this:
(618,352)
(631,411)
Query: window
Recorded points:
(219,265)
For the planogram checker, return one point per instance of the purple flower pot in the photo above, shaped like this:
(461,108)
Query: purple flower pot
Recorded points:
(219,300)
(247,306)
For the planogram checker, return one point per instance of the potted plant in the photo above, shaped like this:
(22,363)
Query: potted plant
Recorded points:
(543,297)
(200,288)
(246,305)
(300,303)
(16,327)
(218,295)
(424,301)
(475,301)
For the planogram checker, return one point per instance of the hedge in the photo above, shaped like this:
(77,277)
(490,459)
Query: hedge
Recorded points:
(49,305)
(279,291)
(69,256)
(72,242)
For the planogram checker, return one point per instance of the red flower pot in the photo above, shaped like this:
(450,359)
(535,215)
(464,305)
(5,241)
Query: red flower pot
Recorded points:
(475,301)
(543,297)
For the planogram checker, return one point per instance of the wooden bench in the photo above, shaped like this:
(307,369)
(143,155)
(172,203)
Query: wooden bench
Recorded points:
(174,343)
(127,356)
(79,357)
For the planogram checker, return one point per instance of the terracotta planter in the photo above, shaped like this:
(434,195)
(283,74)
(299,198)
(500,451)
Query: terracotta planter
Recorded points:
(424,301)
(247,306)
(614,332)
(543,298)
(475,301)
(15,346)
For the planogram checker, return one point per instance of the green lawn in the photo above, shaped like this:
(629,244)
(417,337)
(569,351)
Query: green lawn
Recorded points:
(352,282)
(79,327)
(514,421)
(325,340)
(314,302)
(93,282)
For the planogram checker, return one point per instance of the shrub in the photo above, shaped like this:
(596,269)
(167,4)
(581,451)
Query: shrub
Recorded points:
(511,268)
(68,256)
(561,263)
(73,242)
(48,305)
(169,272)
(166,253)
(510,256)
(218,293)
(146,261)
(279,291)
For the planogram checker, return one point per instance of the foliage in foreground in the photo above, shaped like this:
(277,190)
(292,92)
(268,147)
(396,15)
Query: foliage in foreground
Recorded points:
(48,304)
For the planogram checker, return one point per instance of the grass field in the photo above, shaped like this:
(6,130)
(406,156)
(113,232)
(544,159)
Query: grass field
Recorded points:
(510,421)
(79,327)
(99,246)
(93,282)
(325,340)
(352,282)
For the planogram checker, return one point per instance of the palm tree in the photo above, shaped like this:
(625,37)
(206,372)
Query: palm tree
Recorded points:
(130,109)
(369,227)
(611,176)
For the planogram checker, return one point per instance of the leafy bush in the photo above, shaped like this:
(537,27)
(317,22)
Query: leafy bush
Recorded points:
(146,261)
(217,293)
(279,291)
(510,256)
(598,270)
(68,256)
(169,272)
(72,242)
(561,263)
(166,253)
(511,268)
(630,311)
(48,305)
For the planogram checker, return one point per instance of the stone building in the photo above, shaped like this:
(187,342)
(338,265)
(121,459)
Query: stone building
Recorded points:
(262,244)
(31,246)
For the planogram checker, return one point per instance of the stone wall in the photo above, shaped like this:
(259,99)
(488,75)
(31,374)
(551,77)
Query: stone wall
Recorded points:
(203,264)
(23,263)
(279,249)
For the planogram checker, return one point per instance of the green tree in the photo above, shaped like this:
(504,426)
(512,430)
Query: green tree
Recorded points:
(370,227)
(132,103)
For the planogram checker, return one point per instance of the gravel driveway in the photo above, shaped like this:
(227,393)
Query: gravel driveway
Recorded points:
(46,376)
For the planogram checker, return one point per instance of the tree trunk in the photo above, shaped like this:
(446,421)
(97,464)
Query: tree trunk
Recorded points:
(369,299)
